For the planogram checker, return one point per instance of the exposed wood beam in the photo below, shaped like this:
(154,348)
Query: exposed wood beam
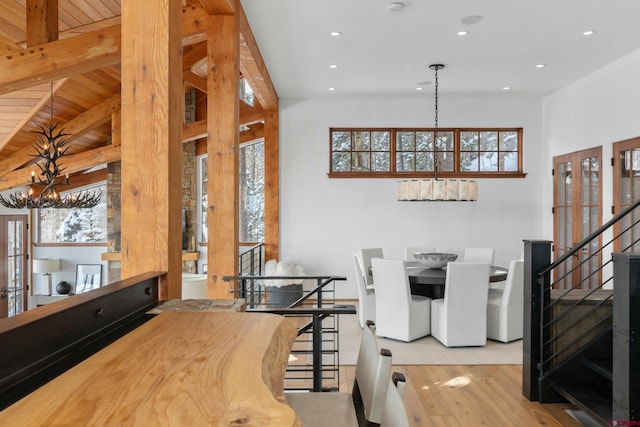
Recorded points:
(195,130)
(223,85)
(251,63)
(152,119)
(271,186)
(250,114)
(98,25)
(219,7)
(72,163)
(193,54)
(30,115)
(76,127)
(82,179)
(42,22)
(254,132)
(59,59)
(7,46)
(194,25)
(253,66)
(195,80)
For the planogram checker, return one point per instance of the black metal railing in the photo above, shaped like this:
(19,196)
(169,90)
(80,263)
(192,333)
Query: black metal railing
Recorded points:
(251,259)
(573,316)
(310,304)
(564,315)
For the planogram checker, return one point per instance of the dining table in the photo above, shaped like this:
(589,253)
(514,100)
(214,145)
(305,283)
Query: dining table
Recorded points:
(431,281)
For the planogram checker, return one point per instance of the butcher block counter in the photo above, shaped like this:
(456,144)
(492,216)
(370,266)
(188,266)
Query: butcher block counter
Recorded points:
(177,369)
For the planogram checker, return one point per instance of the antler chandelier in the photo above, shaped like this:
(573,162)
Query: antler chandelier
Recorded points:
(50,149)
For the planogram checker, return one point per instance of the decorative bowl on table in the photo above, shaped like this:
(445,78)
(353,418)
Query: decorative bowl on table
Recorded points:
(434,259)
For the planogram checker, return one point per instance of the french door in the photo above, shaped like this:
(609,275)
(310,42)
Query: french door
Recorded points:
(577,208)
(626,191)
(13,265)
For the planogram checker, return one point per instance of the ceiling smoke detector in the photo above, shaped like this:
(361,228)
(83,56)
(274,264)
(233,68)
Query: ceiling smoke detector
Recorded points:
(395,6)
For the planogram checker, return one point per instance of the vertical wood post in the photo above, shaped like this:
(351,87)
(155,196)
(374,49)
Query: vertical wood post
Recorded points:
(152,118)
(271,185)
(537,256)
(626,337)
(42,21)
(223,118)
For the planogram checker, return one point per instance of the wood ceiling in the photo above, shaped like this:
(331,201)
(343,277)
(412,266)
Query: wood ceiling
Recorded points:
(84,101)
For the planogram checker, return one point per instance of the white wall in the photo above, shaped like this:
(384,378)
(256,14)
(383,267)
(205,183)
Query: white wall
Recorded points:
(69,256)
(597,110)
(322,220)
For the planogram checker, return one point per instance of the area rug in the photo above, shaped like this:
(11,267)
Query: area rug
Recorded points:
(427,350)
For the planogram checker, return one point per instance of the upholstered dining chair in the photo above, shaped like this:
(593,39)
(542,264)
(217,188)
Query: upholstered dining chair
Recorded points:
(395,414)
(366,295)
(365,255)
(365,402)
(410,250)
(505,307)
(460,318)
(478,255)
(399,314)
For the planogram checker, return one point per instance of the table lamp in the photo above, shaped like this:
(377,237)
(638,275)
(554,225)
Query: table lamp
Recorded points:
(46,266)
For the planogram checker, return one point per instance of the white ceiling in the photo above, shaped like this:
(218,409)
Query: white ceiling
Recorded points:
(382,52)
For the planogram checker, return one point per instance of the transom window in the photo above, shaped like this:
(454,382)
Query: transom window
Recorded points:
(357,152)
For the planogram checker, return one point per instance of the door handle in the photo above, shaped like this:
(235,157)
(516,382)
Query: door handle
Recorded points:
(4,292)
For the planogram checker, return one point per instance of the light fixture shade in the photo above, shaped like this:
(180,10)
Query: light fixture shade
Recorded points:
(46,265)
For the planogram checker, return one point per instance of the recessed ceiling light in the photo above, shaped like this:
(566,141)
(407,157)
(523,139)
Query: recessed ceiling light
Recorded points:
(335,33)
(506,88)
(419,88)
(332,89)
(540,65)
(588,33)
(395,6)
(463,33)
(471,19)
(333,65)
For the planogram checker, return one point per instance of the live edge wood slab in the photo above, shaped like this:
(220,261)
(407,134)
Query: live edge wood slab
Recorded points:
(177,369)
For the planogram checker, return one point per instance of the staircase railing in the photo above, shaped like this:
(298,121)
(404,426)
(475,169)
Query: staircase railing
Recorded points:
(561,319)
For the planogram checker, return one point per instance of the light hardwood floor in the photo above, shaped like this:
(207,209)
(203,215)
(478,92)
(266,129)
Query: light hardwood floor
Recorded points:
(471,395)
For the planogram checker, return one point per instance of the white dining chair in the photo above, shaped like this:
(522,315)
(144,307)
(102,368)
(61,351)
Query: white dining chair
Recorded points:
(410,250)
(460,318)
(399,314)
(478,255)
(395,413)
(505,307)
(367,399)
(366,295)
(365,255)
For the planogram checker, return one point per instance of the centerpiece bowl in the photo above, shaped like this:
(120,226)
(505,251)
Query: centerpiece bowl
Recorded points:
(434,259)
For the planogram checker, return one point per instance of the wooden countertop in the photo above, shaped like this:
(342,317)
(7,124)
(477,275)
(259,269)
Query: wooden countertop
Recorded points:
(177,369)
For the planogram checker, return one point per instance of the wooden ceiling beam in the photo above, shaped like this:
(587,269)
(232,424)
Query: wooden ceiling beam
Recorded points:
(255,132)
(59,59)
(76,127)
(72,163)
(30,115)
(219,7)
(253,66)
(195,130)
(195,80)
(7,46)
(83,179)
(193,54)
(42,22)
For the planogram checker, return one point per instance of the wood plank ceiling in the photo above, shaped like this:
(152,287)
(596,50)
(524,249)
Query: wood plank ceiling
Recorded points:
(84,101)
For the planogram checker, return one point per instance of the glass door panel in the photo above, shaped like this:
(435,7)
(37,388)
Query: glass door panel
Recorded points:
(577,213)
(626,191)
(13,261)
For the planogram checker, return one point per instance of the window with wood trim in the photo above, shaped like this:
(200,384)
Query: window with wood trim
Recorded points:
(460,152)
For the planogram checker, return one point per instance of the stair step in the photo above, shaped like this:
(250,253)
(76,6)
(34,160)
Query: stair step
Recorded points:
(588,392)
(601,366)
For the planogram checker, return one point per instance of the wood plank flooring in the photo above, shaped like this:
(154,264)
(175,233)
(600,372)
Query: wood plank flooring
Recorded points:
(470,395)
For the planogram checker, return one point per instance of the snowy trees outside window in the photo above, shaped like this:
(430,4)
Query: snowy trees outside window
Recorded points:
(74,225)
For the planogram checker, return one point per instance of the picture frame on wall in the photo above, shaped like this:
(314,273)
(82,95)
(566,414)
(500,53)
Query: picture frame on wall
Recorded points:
(88,277)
